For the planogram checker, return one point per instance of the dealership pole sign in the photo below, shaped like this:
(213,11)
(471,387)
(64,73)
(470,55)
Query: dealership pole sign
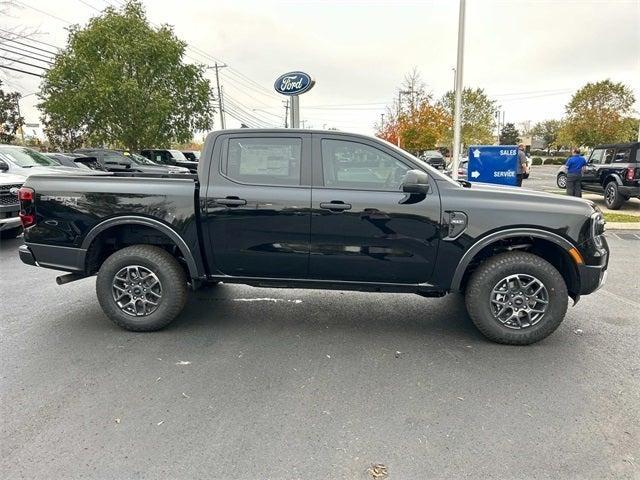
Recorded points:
(294,84)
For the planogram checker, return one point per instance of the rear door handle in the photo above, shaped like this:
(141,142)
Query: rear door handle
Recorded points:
(336,206)
(231,201)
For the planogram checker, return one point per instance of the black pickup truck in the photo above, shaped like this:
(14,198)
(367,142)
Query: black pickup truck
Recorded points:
(316,209)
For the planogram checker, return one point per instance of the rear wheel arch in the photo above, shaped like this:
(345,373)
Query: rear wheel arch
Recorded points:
(160,233)
(547,245)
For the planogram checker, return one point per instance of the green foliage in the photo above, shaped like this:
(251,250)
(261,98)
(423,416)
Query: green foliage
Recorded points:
(548,131)
(122,82)
(536,161)
(10,121)
(509,135)
(555,161)
(478,116)
(597,113)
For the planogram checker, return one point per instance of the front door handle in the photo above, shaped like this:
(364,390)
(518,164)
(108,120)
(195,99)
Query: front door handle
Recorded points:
(335,206)
(231,201)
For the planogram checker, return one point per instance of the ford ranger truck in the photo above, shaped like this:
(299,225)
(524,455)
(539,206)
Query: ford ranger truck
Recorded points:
(316,209)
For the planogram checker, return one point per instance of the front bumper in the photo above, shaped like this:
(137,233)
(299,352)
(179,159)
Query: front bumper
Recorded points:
(592,277)
(9,223)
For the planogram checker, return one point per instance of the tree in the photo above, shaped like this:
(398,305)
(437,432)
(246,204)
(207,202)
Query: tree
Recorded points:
(414,118)
(123,83)
(548,131)
(596,113)
(10,119)
(509,135)
(478,116)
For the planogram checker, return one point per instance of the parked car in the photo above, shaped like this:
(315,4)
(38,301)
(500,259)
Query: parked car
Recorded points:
(434,158)
(110,160)
(76,160)
(170,157)
(23,162)
(561,177)
(191,155)
(355,213)
(613,170)
(10,226)
(145,165)
(462,168)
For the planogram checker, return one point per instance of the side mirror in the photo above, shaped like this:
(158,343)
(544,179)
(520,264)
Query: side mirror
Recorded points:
(416,181)
(3,166)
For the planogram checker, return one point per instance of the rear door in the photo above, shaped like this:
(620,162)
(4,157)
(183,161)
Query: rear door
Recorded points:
(257,205)
(363,228)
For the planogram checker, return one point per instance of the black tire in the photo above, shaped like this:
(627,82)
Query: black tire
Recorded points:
(10,233)
(613,199)
(164,266)
(561,180)
(489,274)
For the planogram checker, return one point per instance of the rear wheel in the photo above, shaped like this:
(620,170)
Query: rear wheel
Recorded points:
(561,180)
(141,288)
(516,298)
(613,199)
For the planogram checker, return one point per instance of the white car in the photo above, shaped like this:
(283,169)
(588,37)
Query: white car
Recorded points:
(23,161)
(10,226)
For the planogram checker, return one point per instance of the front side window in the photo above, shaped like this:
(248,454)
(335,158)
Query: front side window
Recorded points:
(265,161)
(622,155)
(358,166)
(596,155)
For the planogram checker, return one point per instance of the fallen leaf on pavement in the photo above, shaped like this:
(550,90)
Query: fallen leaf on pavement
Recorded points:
(378,471)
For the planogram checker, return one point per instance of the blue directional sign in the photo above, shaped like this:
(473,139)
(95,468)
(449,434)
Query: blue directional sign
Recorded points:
(493,164)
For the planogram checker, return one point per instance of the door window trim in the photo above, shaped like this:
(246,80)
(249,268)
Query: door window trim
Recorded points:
(318,166)
(304,164)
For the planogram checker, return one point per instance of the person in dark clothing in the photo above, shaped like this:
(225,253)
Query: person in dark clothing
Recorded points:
(521,167)
(575,164)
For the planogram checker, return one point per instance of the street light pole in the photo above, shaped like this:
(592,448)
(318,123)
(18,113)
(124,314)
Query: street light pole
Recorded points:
(458,105)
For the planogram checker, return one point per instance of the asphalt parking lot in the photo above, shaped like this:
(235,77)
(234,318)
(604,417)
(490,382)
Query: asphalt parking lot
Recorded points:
(297,384)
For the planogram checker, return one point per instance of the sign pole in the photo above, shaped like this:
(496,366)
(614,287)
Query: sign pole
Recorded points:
(458,105)
(295,111)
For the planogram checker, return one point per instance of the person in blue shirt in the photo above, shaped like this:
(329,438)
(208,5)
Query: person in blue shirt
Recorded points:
(575,164)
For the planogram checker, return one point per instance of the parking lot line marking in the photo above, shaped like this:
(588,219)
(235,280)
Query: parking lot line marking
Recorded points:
(621,298)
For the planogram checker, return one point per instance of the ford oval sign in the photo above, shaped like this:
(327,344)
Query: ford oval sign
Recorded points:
(293,83)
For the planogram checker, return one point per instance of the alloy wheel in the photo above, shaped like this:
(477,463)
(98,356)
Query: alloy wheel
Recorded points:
(519,301)
(136,290)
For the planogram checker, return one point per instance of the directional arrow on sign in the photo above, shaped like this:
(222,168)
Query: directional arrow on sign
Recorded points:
(475,173)
(476,153)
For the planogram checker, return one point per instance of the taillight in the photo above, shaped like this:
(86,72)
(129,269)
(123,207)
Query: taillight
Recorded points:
(27,208)
(630,173)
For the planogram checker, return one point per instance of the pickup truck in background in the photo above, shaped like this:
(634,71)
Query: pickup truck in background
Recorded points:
(316,209)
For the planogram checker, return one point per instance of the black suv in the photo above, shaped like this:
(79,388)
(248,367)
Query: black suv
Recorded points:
(613,170)
(170,157)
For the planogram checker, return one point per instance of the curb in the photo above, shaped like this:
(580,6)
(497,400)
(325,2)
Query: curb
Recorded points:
(622,226)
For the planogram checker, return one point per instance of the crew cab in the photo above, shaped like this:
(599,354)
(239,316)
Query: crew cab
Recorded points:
(316,209)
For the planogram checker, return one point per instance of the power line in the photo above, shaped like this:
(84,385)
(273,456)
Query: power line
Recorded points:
(21,71)
(22,54)
(25,37)
(43,12)
(27,45)
(24,63)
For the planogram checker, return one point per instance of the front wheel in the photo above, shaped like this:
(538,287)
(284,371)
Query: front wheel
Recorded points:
(141,288)
(516,298)
(561,180)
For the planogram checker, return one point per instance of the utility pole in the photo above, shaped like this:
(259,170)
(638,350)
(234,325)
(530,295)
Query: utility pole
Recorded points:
(21,126)
(218,67)
(457,124)
(382,121)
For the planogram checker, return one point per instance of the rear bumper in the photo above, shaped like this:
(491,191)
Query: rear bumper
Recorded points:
(52,256)
(629,191)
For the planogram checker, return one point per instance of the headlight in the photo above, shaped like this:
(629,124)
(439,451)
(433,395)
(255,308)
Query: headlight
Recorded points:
(597,227)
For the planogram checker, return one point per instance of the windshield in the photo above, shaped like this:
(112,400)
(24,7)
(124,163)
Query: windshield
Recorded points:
(26,158)
(140,160)
(177,155)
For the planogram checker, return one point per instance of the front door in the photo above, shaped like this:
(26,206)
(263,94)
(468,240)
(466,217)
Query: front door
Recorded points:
(363,228)
(591,171)
(256,211)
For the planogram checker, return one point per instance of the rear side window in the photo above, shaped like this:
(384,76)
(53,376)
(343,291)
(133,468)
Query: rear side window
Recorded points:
(265,161)
(622,155)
